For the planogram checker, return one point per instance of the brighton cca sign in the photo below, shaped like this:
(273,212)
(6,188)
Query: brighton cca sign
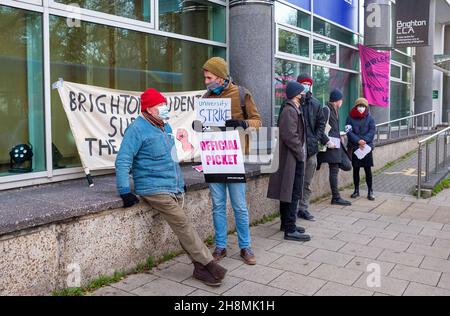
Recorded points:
(412,23)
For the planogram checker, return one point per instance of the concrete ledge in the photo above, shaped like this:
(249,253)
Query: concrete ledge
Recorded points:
(91,234)
(32,207)
(35,261)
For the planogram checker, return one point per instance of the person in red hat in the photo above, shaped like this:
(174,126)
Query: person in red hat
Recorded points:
(147,149)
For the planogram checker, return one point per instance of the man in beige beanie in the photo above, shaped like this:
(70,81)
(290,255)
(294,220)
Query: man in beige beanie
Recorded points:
(220,85)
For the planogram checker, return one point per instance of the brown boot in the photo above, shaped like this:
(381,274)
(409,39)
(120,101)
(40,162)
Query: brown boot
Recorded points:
(202,274)
(248,256)
(216,270)
(219,254)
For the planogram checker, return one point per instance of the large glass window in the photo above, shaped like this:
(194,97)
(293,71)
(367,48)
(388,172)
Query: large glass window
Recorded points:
(285,71)
(406,74)
(400,100)
(348,58)
(197,18)
(137,9)
(396,71)
(399,57)
(21,92)
(325,52)
(327,79)
(334,32)
(293,43)
(119,59)
(288,15)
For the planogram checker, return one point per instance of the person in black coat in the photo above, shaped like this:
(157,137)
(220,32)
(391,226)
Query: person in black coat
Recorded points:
(335,154)
(315,134)
(286,185)
(361,130)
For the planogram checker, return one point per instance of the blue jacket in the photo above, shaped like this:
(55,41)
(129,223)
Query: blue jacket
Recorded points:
(361,129)
(147,151)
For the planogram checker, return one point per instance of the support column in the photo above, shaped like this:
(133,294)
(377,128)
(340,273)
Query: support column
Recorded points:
(251,51)
(378,35)
(423,100)
(446,92)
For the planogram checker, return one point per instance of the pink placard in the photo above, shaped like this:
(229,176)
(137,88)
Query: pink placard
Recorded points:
(375,72)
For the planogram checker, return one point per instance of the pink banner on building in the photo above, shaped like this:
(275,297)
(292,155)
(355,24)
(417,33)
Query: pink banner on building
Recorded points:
(375,72)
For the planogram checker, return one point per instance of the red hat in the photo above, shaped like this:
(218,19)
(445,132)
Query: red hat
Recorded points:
(305,78)
(151,98)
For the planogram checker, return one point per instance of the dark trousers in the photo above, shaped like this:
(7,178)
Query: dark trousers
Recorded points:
(334,180)
(288,211)
(369,177)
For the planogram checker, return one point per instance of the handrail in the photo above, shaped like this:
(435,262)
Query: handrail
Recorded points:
(426,142)
(406,118)
(424,122)
(421,142)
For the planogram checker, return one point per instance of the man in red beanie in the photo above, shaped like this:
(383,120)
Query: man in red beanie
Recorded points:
(147,150)
(315,135)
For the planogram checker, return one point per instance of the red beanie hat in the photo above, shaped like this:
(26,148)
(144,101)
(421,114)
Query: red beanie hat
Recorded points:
(151,98)
(305,78)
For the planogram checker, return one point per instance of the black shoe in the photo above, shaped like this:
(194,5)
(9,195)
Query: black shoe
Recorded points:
(306,216)
(301,230)
(371,196)
(296,236)
(340,202)
(355,194)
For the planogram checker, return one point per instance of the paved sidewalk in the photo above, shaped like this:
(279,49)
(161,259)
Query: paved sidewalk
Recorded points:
(408,238)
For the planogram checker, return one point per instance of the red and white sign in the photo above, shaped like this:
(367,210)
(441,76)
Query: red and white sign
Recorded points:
(222,157)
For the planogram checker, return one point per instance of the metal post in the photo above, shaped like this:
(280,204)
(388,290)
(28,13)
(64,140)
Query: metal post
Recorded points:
(399,129)
(419,172)
(415,125)
(427,162)
(423,124)
(389,131)
(408,122)
(437,155)
(378,134)
(445,149)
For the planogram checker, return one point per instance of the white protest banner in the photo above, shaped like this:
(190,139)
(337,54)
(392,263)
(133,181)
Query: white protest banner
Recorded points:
(213,112)
(222,157)
(98,118)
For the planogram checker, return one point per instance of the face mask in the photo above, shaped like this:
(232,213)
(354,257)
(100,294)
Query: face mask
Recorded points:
(307,88)
(217,88)
(164,112)
(361,109)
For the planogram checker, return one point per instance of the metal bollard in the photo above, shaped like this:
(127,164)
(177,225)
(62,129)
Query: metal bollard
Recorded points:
(419,172)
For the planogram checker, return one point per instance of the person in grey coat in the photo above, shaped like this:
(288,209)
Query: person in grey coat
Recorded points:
(286,185)
(335,157)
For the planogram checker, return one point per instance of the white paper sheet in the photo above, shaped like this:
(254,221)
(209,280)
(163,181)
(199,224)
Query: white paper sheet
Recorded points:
(363,153)
(336,141)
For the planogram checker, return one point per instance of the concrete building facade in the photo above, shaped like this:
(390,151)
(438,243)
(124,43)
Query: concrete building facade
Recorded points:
(132,45)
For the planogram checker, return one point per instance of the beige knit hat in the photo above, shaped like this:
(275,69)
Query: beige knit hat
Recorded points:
(217,66)
(362,101)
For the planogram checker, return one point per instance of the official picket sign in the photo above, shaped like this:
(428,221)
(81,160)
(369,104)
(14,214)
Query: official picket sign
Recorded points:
(98,118)
(213,112)
(222,157)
